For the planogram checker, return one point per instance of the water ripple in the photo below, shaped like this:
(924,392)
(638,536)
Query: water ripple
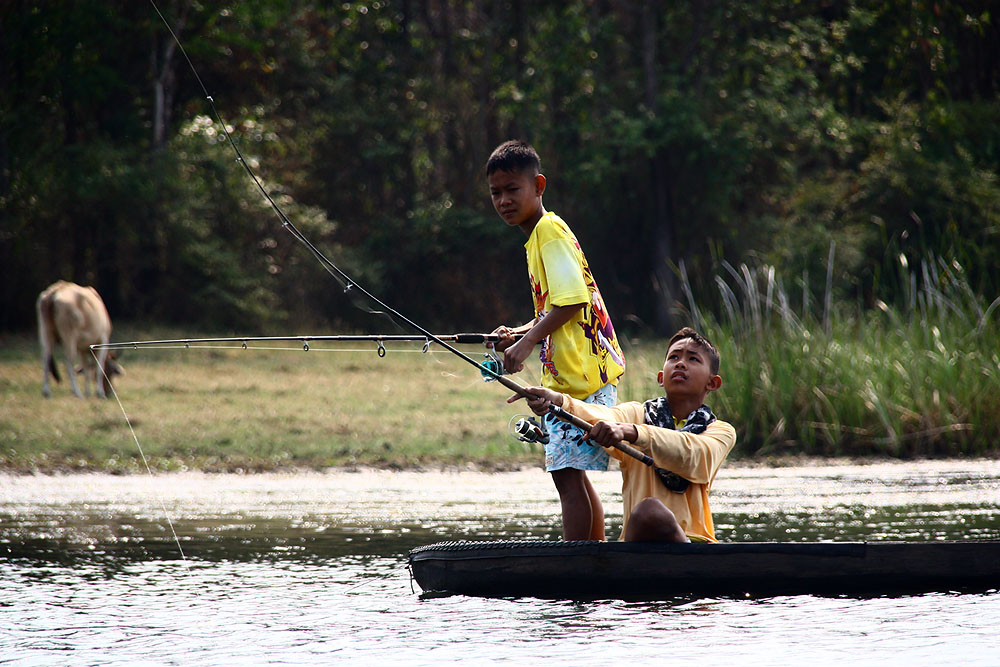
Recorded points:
(307,569)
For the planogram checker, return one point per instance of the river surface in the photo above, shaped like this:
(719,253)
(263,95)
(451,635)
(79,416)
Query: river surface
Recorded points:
(294,569)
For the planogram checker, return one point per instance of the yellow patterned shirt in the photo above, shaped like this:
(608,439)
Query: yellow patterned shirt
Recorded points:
(582,355)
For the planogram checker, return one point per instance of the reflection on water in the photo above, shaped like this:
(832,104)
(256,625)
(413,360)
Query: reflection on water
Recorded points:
(305,516)
(318,516)
(295,569)
(889,501)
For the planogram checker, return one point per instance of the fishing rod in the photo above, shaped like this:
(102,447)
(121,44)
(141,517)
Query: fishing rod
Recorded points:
(460,338)
(489,367)
(526,430)
(353,289)
(463,338)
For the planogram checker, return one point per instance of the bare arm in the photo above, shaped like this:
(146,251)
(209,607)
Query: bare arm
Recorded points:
(508,334)
(514,355)
(539,399)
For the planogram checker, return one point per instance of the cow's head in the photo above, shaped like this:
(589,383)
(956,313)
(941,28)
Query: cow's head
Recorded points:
(111,368)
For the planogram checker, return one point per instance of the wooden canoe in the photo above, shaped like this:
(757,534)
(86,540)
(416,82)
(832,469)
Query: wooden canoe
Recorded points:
(647,571)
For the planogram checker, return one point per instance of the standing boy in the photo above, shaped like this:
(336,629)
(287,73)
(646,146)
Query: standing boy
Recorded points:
(580,355)
(692,448)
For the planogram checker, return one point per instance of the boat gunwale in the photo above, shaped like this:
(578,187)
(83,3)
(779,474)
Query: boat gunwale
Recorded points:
(658,570)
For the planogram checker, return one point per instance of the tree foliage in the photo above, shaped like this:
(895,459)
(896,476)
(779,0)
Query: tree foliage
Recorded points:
(697,131)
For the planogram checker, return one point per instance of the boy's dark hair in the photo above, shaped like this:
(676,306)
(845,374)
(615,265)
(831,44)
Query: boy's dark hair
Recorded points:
(513,156)
(702,342)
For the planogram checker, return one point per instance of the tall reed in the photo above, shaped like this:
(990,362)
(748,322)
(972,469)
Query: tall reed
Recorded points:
(918,378)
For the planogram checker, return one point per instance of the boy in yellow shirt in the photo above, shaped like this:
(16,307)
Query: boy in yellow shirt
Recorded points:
(692,448)
(580,355)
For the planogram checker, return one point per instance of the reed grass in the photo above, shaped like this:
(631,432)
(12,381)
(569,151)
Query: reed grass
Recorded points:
(917,379)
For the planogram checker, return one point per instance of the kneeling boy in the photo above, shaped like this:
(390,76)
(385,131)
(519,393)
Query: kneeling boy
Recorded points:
(691,448)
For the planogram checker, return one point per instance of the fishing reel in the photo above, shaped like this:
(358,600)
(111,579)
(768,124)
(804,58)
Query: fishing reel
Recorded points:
(491,366)
(529,430)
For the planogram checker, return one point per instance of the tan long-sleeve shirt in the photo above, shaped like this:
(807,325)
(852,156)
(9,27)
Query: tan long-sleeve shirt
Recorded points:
(695,457)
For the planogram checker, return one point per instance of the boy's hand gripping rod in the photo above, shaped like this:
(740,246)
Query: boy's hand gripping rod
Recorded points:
(584,426)
(671,480)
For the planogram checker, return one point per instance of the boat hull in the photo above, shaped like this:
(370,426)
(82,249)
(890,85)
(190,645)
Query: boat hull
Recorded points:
(631,570)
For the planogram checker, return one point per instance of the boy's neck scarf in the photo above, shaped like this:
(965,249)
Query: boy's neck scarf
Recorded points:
(656,412)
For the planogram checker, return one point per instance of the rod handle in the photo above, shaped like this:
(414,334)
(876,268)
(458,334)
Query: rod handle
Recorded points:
(635,453)
(479,338)
(476,338)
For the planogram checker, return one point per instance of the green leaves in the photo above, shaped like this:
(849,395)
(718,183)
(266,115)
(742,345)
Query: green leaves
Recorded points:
(698,131)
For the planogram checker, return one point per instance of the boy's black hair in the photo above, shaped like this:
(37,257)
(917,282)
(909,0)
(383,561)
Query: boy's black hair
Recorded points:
(513,156)
(713,354)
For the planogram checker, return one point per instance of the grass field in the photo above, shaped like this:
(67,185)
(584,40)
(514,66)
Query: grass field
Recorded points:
(234,409)
(923,382)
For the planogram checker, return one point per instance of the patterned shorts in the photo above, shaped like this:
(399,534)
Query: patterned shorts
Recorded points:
(564,449)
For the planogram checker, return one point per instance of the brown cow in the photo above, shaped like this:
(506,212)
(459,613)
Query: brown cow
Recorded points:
(76,317)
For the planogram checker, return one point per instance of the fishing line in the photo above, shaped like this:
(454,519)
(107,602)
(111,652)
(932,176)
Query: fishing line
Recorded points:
(145,462)
(354,292)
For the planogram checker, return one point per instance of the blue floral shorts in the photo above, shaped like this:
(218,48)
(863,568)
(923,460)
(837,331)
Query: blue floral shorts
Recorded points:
(565,449)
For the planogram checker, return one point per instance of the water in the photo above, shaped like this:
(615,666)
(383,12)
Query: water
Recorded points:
(311,569)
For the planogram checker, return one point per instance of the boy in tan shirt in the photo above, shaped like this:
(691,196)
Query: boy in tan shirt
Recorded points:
(692,448)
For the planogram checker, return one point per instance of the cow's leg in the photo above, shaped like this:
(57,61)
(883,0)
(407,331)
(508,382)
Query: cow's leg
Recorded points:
(99,370)
(46,340)
(46,364)
(85,374)
(72,371)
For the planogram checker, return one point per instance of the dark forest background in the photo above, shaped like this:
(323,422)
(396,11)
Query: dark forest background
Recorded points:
(675,135)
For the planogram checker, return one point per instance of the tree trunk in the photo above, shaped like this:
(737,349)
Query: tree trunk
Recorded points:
(662,276)
(164,82)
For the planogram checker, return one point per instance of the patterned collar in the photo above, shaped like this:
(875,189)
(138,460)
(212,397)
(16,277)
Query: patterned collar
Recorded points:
(656,412)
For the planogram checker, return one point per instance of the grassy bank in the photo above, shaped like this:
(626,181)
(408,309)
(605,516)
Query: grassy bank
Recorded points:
(918,382)
(237,409)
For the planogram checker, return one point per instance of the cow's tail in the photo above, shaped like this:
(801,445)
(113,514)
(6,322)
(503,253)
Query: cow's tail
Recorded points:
(47,333)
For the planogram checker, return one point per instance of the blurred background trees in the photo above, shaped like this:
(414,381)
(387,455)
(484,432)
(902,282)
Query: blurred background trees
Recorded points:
(703,132)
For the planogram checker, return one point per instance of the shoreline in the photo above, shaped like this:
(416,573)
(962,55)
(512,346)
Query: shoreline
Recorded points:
(267,468)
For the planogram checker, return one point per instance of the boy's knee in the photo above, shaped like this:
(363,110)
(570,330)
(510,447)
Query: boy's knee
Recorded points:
(570,482)
(569,478)
(652,511)
(652,521)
